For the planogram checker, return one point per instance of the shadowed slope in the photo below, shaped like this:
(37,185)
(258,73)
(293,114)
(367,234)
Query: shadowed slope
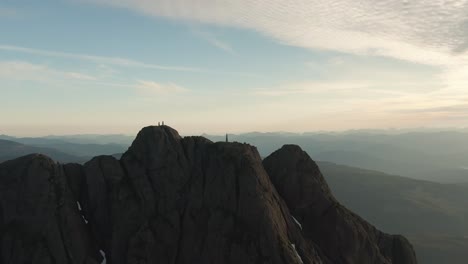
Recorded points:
(342,235)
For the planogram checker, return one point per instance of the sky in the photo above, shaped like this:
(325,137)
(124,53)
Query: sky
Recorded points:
(217,66)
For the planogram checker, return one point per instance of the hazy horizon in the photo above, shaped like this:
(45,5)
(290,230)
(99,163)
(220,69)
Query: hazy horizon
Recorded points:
(72,131)
(101,66)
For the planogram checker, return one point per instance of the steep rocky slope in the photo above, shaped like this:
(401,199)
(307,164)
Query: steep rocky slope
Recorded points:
(182,200)
(343,236)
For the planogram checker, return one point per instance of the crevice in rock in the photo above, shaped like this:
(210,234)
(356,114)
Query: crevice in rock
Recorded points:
(181,234)
(60,203)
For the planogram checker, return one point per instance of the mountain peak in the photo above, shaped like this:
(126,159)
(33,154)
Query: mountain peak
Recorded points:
(152,135)
(184,200)
(341,234)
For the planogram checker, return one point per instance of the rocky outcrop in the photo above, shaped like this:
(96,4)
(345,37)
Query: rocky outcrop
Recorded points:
(182,200)
(40,220)
(343,236)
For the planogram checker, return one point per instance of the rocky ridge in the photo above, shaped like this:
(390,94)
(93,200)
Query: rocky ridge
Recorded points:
(183,200)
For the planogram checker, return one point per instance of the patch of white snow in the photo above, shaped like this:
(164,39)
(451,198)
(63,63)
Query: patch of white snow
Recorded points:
(297,222)
(297,254)
(104,256)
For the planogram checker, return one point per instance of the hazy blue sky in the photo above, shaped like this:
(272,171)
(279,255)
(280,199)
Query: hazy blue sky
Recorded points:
(111,66)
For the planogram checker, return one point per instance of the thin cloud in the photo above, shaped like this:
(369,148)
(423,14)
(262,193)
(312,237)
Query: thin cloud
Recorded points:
(26,71)
(98,59)
(314,87)
(81,76)
(449,109)
(115,61)
(214,41)
(154,88)
(21,71)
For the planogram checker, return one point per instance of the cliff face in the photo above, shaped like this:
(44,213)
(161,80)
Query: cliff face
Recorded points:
(343,236)
(182,200)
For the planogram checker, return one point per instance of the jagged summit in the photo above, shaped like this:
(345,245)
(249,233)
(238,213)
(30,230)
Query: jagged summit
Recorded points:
(182,200)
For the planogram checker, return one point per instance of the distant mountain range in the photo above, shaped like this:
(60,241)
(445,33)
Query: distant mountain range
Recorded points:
(11,150)
(81,147)
(118,139)
(435,156)
(431,155)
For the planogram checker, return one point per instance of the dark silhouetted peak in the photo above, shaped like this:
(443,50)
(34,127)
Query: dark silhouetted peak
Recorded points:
(298,177)
(154,134)
(343,236)
(39,217)
(154,141)
(183,200)
(40,158)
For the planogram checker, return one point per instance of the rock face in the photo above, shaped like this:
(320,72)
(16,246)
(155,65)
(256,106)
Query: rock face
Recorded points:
(343,236)
(39,218)
(184,201)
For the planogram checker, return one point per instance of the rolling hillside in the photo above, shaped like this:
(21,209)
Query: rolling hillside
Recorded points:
(81,146)
(11,150)
(433,216)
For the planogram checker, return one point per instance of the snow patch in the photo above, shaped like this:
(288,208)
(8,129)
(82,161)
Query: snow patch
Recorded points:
(79,209)
(297,254)
(104,256)
(297,222)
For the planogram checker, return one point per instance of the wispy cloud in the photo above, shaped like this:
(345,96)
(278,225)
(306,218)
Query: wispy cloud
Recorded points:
(98,59)
(352,77)
(39,73)
(154,88)
(430,32)
(314,87)
(22,70)
(103,61)
(81,76)
(214,41)
(449,109)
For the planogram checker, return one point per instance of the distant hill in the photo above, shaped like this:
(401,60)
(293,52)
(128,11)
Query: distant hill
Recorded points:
(433,216)
(80,146)
(441,249)
(11,150)
(117,139)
